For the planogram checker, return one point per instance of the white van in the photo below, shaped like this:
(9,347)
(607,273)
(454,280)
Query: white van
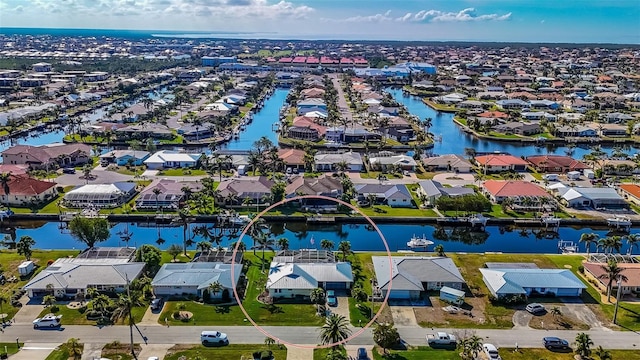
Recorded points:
(550,177)
(213,338)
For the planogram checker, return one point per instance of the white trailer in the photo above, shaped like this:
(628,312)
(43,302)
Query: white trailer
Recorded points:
(26,268)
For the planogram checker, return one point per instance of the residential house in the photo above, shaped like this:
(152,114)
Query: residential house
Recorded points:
(431,190)
(358,134)
(450,162)
(531,282)
(386,161)
(167,159)
(543,104)
(312,93)
(512,104)
(309,105)
(538,115)
(100,195)
(125,157)
(248,191)
(324,185)
(610,130)
(144,131)
(396,195)
(47,156)
(67,277)
(520,128)
(412,277)
(556,163)
(575,131)
(500,162)
(631,192)
(597,198)
(597,275)
(193,278)
(329,161)
(170,194)
(292,158)
(24,190)
(470,104)
(518,192)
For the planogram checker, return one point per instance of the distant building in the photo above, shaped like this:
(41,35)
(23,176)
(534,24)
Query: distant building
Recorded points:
(217,60)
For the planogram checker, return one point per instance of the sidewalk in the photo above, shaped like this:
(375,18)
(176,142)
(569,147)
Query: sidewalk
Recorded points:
(295,353)
(33,351)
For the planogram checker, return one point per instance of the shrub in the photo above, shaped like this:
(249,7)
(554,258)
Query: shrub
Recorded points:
(82,309)
(206,297)
(176,314)
(581,269)
(49,262)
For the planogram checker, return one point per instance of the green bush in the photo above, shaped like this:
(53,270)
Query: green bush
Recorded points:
(471,202)
(581,269)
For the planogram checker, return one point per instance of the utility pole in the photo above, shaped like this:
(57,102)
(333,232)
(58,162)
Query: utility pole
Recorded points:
(615,312)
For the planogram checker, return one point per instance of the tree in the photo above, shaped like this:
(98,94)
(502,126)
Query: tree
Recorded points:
(632,240)
(283,243)
(327,244)
(556,313)
(335,330)
(317,297)
(386,336)
(157,192)
(48,300)
(336,354)
(89,230)
(603,354)
(470,347)
(583,345)
(174,250)
(3,300)
(215,288)
(4,181)
(588,239)
(74,347)
(278,191)
(100,303)
(439,250)
(204,246)
(24,246)
(150,255)
(358,293)
(345,248)
(124,305)
(612,273)
(269,341)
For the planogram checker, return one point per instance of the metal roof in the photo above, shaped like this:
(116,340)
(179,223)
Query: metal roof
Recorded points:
(513,281)
(408,273)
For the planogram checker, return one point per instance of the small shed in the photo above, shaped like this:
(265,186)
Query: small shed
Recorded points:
(26,268)
(451,295)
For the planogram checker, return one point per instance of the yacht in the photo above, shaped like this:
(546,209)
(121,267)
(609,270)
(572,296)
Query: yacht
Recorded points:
(419,242)
(619,222)
(478,220)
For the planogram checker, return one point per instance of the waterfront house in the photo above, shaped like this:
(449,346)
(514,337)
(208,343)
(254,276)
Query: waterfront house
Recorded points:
(610,130)
(630,192)
(170,195)
(413,277)
(520,128)
(100,195)
(324,185)
(575,131)
(167,159)
(519,192)
(309,105)
(531,282)
(450,162)
(144,131)
(292,158)
(512,104)
(470,104)
(500,162)
(47,156)
(596,198)
(125,157)
(359,134)
(556,163)
(394,195)
(312,93)
(24,190)
(386,161)
(41,67)
(538,115)
(329,161)
(67,277)
(193,278)
(431,190)
(246,190)
(597,275)
(543,105)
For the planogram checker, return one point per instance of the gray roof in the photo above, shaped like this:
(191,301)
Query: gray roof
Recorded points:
(382,190)
(200,274)
(81,273)
(408,273)
(351,158)
(137,154)
(513,281)
(502,265)
(434,188)
(307,276)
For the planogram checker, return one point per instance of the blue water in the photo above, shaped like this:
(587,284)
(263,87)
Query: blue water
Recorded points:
(49,236)
(262,122)
(454,140)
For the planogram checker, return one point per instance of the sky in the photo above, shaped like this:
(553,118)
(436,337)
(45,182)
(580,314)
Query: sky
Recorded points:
(579,21)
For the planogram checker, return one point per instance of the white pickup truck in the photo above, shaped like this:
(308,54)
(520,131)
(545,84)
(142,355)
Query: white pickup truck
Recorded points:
(441,339)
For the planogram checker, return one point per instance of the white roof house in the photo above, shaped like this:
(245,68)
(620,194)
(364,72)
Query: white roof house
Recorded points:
(604,197)
(506,282)
(171,159)
(298,279)
(194,277)
(72,275)
(100,195)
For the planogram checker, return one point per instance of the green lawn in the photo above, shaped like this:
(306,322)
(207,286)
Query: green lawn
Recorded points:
(375,174)
(385,210)
(62,352)
(74,317)
(503,136)
(360,312)
(182,172)
(11,347)
(321,354)
(276,314)
(417,353)
(232,351)
(537,354)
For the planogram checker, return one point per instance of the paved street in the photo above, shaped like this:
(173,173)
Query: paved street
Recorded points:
(302,335)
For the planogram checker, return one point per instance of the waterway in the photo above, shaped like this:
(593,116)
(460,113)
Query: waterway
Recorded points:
(454,140)
(362,237)
(262,124)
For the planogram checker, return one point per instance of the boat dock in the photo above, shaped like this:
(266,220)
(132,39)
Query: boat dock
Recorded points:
(321,219)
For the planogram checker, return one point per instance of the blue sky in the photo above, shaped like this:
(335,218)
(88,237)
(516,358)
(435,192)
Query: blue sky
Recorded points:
(609,21)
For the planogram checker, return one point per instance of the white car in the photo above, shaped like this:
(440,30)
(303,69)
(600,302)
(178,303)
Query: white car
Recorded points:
(153,358)
(213,337)
(535,308)
(47,321)
(491,351)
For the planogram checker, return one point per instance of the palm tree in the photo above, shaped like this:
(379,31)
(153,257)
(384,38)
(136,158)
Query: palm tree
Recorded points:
(3,300)
(603,354)
(215,288)
(283,243)
(269,341)
(241,247)
(48,300)
(612,273)
(265,242)
(555,312)
(326,244)
(335,330)
(439,250)
(588,239)
(156,191)
(317,298)
(632,240)
(100,303)
(386,336)
(345,248)
(74,348)
(470,347)
(583,345)
(4,181)
(204,246)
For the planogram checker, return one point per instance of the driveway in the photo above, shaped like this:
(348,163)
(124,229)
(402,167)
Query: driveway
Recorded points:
(159,350)
(521,319)
(150,317)
(583,313)
(92,351)
(29,311)
(296,353)
(342,308)
(33,351)
(403,316)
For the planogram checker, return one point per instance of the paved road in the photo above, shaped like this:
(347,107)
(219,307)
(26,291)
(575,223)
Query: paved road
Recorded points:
(302,335)
(345,111)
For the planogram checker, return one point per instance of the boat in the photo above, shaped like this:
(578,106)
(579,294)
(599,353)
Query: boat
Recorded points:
(567,247)
(478,220)
(419,242)
(550,220)
(239,220)
(619,222)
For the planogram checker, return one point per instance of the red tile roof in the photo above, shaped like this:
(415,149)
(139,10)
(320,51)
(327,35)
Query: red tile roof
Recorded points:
(553,161)
(292,156)
(299,59)
(494,114)
(346,61)
(514,188)
(24,185)
(632,189)
(499,160)
(285,60)
(313,60)
(304,121)
(631,272)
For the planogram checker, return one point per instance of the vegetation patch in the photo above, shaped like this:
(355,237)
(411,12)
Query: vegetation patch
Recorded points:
(232,351)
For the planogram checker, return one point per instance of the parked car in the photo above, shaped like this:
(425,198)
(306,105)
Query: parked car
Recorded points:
(47,321)
(552,342)
(362,354)
(157,303)
(491,351)
(213,337)
(153,358)
(535,308)
(68,171)
(332,300)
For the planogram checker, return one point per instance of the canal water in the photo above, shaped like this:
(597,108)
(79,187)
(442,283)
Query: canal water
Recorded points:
(362,237)
(454,140)
(262,124)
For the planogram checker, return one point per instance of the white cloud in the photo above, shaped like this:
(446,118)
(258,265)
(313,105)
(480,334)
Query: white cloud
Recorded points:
(465,15)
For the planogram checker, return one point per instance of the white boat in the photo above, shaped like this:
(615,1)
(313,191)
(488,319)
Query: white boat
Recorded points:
(478,220)
(619,222)
(550,220)
(239,220)
(567,247)
(419,242)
